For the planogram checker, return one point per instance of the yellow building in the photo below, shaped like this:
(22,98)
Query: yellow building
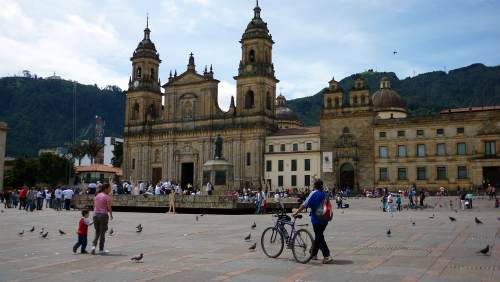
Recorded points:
(370,141)
(3,140)
(173,140)
(292,158)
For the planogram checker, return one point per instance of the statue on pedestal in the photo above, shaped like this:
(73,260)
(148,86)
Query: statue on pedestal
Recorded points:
(218,147)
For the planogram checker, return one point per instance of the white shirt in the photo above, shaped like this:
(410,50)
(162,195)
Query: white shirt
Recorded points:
(178,189)
(209,187)
(157,190)
(141,187)
(39,194)
(58,193)
(47,195)
(68,194)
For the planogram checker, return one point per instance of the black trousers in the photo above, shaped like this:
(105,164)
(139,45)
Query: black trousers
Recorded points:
(67,204)
(82,241)
(101,226)
(319,240)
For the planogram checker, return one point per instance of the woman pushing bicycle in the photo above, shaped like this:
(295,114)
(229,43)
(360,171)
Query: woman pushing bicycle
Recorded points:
(316,201)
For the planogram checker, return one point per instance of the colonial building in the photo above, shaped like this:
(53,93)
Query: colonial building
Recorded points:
(368,140)
(174,139)
(3,137)
(292,158)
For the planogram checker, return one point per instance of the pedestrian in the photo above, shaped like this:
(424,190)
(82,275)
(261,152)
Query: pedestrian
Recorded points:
(48,198)
(259,201)
(58,197)
(7,198)
(314,201)
(399,202)
(30,200)
(83,226)
(39,199)
(102,207)
(209,188)
(171,202)
(68,196)
(22,197)
(422,197)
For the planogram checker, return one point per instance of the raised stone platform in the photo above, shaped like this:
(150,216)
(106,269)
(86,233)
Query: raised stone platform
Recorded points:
(214,204)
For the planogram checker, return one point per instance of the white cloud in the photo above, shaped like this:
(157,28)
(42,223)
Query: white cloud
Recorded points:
(226,90)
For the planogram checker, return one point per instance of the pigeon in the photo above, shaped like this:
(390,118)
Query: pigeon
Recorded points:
(2,211)
(394,52)
(432,217)
(388,232)
(111,232)
(252,247)
(43,230)
(254,225)
(137,258)
(21,233)
(196,218)
(32,229)
(45,235)
(139,226)
(440,205)
(202,214)
(456,211)
(477,220)
(485,250)
(413,223)
(61,232)
(452,219)
(247,238)
(139,230)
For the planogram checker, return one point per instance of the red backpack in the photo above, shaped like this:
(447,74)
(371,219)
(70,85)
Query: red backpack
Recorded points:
(325,210)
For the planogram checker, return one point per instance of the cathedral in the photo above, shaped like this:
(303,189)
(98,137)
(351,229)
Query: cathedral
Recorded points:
(173,139)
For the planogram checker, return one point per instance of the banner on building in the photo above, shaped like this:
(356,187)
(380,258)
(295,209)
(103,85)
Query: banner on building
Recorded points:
(327,162)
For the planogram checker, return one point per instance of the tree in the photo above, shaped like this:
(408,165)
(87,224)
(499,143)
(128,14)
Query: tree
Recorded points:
(53,169)
(24,172)
(78,151)
(92,149)
(117,159)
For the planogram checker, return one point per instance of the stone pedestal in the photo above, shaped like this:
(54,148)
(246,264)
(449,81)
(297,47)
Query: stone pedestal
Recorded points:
(221,174)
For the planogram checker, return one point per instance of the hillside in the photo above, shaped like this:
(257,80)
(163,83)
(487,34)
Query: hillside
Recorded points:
(39,112)
(475,85)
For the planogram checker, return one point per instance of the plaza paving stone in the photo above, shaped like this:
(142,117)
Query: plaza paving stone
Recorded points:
(178,248)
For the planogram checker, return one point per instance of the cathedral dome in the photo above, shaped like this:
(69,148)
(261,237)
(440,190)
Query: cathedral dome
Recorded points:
(284,115)
(146,48)
(386,99)
(257,28)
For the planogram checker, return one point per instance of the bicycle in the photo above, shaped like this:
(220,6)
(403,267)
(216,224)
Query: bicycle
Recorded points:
(300,241)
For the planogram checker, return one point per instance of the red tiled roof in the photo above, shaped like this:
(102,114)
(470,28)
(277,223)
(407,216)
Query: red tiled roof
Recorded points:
(471,109)
(99,168)
(297,131)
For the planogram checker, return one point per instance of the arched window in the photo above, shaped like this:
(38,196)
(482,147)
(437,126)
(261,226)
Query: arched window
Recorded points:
(135,111)
(251,56)
(346,130)
(269,101)
(138,73)
(329,103)
(249,100)
(337,102)
(152,73)
(188,110)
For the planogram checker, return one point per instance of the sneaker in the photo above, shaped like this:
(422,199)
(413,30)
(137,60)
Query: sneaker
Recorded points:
(84,252)
(314,258)
(104,252)
(74,251)
(93,250)
(327,260)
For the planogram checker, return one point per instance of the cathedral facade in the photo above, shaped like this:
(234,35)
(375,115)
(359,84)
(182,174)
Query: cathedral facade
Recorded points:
(173,139)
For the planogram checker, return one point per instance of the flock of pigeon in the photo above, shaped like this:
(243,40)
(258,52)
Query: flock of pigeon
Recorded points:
(43,233)
(484,251)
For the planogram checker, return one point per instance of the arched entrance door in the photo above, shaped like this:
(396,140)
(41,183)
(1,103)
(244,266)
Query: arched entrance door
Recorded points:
(346,177)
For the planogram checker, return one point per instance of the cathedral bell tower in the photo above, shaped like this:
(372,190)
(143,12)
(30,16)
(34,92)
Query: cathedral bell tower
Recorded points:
(255,82)
(144,92)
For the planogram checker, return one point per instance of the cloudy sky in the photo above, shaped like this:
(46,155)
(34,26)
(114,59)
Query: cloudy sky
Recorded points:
(92,41)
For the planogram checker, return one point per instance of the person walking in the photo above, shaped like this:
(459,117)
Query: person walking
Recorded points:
(68,196)
(314,201)
(171,202)
(48,195)
(58,197)
(22,197)
(102,207)
(39,199)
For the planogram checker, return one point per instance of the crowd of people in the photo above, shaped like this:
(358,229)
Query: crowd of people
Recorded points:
(31,199)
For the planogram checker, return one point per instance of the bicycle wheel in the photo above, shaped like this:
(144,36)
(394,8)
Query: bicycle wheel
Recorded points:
(272,242)
(302,245)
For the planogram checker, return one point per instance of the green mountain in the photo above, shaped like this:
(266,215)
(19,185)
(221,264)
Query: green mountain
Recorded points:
(428,93)
(39,112)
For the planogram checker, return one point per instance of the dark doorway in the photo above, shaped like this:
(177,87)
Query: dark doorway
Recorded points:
(346,178)
(156,177)
(491,174)
(187,174)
